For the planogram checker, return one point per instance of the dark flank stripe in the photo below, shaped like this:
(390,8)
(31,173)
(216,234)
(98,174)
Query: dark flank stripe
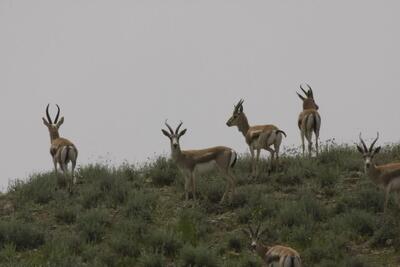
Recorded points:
(234,161)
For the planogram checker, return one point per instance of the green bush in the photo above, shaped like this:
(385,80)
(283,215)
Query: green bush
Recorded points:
(367,198)
(23,235)
(198,256)
(152,260)
(250,261)
(163,172)
(235,242)
(140,204)
(66,215)
(192,225)
(164,243)
(92,225)
(40,188)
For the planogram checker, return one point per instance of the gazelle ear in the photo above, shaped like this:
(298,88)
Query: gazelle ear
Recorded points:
(182,132)
(61,121)
(376,151)
(301,97)
(166,133)
(45,122)
(360,149)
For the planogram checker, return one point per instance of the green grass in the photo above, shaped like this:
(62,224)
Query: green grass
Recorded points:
(325,208)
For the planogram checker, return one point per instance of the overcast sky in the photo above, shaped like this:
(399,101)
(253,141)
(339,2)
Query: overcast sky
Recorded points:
(118,69)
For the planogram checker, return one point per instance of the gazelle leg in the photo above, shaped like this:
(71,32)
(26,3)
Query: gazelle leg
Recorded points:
(232,181)
(309,140)
(193,182)
(316,145)
(272,152)
(388,188)
(73,172)
(187,178)
(253,165)
(302,142)
(55,164)
(257,159)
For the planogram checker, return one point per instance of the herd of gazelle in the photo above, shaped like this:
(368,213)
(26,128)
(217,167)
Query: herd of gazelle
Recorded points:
(257,137)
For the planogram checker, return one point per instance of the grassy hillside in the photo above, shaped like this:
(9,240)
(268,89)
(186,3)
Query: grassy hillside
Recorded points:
(127,216)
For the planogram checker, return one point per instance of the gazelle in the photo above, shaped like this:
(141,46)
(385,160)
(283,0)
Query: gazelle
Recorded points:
(257,137)
(62,150)
(386,176)
(309,120)
(272,255)
(192,161)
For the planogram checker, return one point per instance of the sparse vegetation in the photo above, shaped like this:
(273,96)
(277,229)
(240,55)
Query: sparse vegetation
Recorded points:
(325,208)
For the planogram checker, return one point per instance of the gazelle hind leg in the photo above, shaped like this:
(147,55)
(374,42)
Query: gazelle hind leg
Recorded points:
(387,191)
(302,142)
(193,183)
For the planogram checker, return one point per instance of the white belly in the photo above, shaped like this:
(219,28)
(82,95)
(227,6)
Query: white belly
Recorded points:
(204,167)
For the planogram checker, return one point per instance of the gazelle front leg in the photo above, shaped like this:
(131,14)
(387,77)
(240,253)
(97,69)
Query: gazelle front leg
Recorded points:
(302,142)
(228,185)
(253,163)
(193,184)
(187,178)
(257,159)
(387,191)
(55,165)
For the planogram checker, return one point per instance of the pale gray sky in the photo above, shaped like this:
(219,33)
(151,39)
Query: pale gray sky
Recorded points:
(118,69)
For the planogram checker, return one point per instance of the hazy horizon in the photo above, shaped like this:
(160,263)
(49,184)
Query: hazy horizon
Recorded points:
(118,69)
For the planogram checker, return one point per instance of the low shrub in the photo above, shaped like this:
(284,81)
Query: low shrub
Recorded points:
(92,225)
(198,256)
(165,243)
(22,235)
(140,204)
(163,172)
(66,215)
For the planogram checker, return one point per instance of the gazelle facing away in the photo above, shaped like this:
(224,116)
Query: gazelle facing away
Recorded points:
(62,150)
(309,120)
(280,256)
(386,176)
(192,161)
(257,137)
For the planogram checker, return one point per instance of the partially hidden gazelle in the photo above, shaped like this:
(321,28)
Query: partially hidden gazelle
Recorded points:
(192,161)
(257,137)
(309,120)
(277,255)
(387,175)
(62,150)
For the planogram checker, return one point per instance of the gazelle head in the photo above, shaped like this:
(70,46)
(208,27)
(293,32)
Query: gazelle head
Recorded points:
(308,99)
(254,235)
(368,153)
(53,126)
(174,136)
(237,116)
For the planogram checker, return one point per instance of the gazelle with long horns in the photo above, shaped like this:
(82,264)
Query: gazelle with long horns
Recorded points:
(257,137)
(309,120)
(281,255)
(192,161)
(62,150)
(386,176)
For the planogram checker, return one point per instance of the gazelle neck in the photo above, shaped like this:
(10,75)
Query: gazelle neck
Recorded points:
(54,135)
(243,125)
(176,152)
(373,172)
(261,249)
